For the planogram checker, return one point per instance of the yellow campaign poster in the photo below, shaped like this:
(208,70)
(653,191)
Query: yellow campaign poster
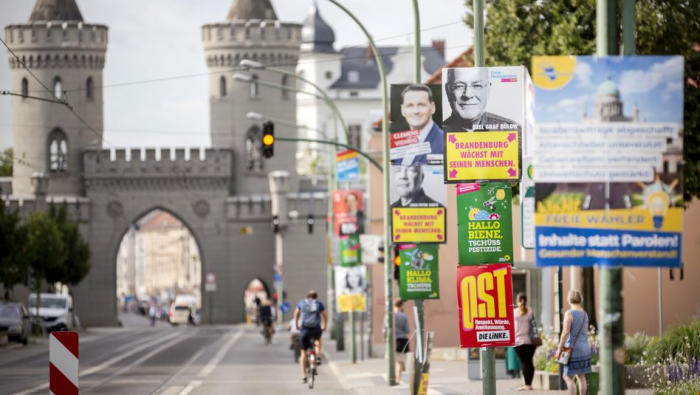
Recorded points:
(418,225)
(350,285)
(492,156)
(423,387)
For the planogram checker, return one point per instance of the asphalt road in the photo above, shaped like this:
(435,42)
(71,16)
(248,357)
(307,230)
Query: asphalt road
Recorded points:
(139,359)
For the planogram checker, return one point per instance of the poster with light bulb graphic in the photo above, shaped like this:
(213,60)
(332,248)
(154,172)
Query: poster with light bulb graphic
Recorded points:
(608,160)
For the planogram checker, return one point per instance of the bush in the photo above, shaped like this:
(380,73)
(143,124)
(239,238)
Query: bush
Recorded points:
(635,346)
(683,341)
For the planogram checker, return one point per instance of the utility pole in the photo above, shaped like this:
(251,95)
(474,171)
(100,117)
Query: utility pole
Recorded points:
(279,187)
(612,370)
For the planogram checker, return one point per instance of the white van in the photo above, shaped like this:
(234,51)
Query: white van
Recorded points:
(55,311)
(182,311)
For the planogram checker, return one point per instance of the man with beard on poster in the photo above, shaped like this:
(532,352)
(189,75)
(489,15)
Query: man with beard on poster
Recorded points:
(468,91)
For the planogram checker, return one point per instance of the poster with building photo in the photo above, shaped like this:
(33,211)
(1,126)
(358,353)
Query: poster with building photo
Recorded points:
(418,194)
(351,285)
(489,101)
(609,160)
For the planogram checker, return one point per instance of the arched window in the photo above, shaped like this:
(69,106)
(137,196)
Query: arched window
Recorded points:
(253,149)
(58,88)
(58,151)
(222,87)
(90,89)
(25,87)
(285,92)
(254,90)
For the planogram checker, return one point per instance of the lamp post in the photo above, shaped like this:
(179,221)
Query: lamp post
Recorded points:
(388,263)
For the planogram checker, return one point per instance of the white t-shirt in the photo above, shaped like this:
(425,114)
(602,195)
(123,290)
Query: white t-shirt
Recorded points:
(522,327)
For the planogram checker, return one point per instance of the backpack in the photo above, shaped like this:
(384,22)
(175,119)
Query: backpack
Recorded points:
(310,315)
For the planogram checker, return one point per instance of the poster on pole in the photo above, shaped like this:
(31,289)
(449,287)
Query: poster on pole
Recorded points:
(351,286)
(483,113)
(527,205)
(485,298)
(484,223)
(350,250)
(347,166)
(609,160)
(348,212)
(417,192)
(419,271)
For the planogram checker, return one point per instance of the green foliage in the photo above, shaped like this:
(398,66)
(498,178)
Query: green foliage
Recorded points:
(77,252)
(517,30)
(45,251)
(13,269)
(6,158)
(635,346)
(681,341)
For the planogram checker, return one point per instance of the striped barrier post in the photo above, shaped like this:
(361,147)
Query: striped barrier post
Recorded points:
(63,363)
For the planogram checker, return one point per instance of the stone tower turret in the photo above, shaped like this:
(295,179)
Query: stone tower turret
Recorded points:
(68,56)
(251,31)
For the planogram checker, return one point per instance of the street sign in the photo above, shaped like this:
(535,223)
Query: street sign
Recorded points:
(277,278)
(284,308)
(211,278)
(210,282)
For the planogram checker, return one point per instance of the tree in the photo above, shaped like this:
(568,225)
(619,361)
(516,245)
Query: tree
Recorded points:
(77,251)
(6,158)
(44,248)
(13,268)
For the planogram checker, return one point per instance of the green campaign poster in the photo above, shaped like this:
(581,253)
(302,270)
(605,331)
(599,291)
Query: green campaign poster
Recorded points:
(350,251)
(419,271)
(484,223)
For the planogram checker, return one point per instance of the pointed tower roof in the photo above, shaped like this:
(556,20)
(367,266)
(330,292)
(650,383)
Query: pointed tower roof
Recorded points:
(316,34)
(56,10)
(243,10)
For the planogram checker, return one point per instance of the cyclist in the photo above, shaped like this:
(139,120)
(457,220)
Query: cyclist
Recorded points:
(267,317)
(311,318)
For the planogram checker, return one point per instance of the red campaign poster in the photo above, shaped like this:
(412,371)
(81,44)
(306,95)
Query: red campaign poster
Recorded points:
(485,297)
(349,212)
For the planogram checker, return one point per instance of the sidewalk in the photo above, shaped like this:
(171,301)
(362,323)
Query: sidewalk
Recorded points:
(368,377)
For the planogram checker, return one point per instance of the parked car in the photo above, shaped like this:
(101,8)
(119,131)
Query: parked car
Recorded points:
(55,311)
(15,321)
(183,310)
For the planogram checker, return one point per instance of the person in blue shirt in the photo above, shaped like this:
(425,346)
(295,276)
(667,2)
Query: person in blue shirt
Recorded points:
(311,318)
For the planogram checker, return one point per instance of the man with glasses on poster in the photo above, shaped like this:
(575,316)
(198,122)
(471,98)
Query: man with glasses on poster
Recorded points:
(468,92)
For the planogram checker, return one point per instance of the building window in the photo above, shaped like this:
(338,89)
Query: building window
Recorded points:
(285,92)
(25,87)
(355,135)
(253,149)
(254,90)
(354,76)
(354,93)
(90,89)
(329,75)
(58,88)
(222,87)
(58,151)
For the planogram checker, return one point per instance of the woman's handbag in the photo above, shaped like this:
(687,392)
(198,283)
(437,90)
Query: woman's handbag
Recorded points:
(566,351)
(535,338)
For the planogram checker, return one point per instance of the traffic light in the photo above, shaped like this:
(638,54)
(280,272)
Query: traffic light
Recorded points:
(397,265)
(268,139)
(381,254)
(310,223)
(276,223)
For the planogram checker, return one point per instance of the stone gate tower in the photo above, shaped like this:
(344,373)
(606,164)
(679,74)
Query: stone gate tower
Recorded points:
(251,31)
(68,56)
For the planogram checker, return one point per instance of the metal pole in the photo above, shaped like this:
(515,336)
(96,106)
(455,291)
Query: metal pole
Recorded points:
(350,147)
(388,263)
(560,315)
(629,27)
(612,378)
(572,277)
(353,345)
(478,44)
(661,305)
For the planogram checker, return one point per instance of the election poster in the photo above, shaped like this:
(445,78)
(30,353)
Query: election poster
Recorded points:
(351,285)
(485,297)
(347,166)
(350,250)
(609,160)
(483,117)
(419,271)
(484,223)
(348,212)
(417,191)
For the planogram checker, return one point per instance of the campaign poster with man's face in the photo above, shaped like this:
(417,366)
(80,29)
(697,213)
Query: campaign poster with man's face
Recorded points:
(416,149)
(349,212)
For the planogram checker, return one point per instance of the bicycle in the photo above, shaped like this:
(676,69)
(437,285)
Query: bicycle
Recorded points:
(311,366)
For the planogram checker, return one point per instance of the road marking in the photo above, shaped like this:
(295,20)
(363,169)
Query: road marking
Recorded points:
(107,364)
(206,370)
(192,385)
(182,369)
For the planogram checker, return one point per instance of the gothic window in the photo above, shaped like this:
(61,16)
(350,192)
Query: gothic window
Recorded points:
(355,135)
(253,149)
(25,87)
(90,89)
(222,87)
(58,151)
(285,92)
(254,89)
(58,88)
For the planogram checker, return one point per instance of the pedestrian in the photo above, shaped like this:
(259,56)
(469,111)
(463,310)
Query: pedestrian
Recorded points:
(524,347)
(152,314)
(576,346)
(402,331)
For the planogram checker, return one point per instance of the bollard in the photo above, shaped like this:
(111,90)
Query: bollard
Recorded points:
(63,363)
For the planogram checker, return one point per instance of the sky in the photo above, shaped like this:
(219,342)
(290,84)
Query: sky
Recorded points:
(654,83)
(162,38)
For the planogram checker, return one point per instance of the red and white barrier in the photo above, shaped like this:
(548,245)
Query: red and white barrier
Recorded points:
(63,363)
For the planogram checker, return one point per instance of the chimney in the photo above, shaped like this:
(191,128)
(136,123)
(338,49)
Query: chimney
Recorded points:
(440,46)
(370,55)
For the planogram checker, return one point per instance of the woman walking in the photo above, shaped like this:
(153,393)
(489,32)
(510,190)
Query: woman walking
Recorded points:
(524,319)
(574,339)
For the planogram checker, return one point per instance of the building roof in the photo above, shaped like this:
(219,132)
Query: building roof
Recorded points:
(608,88)
(360,71)
(316,34)
(55,10)
(243,10)
(159,220)
(460,61)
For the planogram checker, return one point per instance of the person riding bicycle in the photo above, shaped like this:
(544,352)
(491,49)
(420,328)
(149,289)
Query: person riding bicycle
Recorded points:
(266,314)
(311,318)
